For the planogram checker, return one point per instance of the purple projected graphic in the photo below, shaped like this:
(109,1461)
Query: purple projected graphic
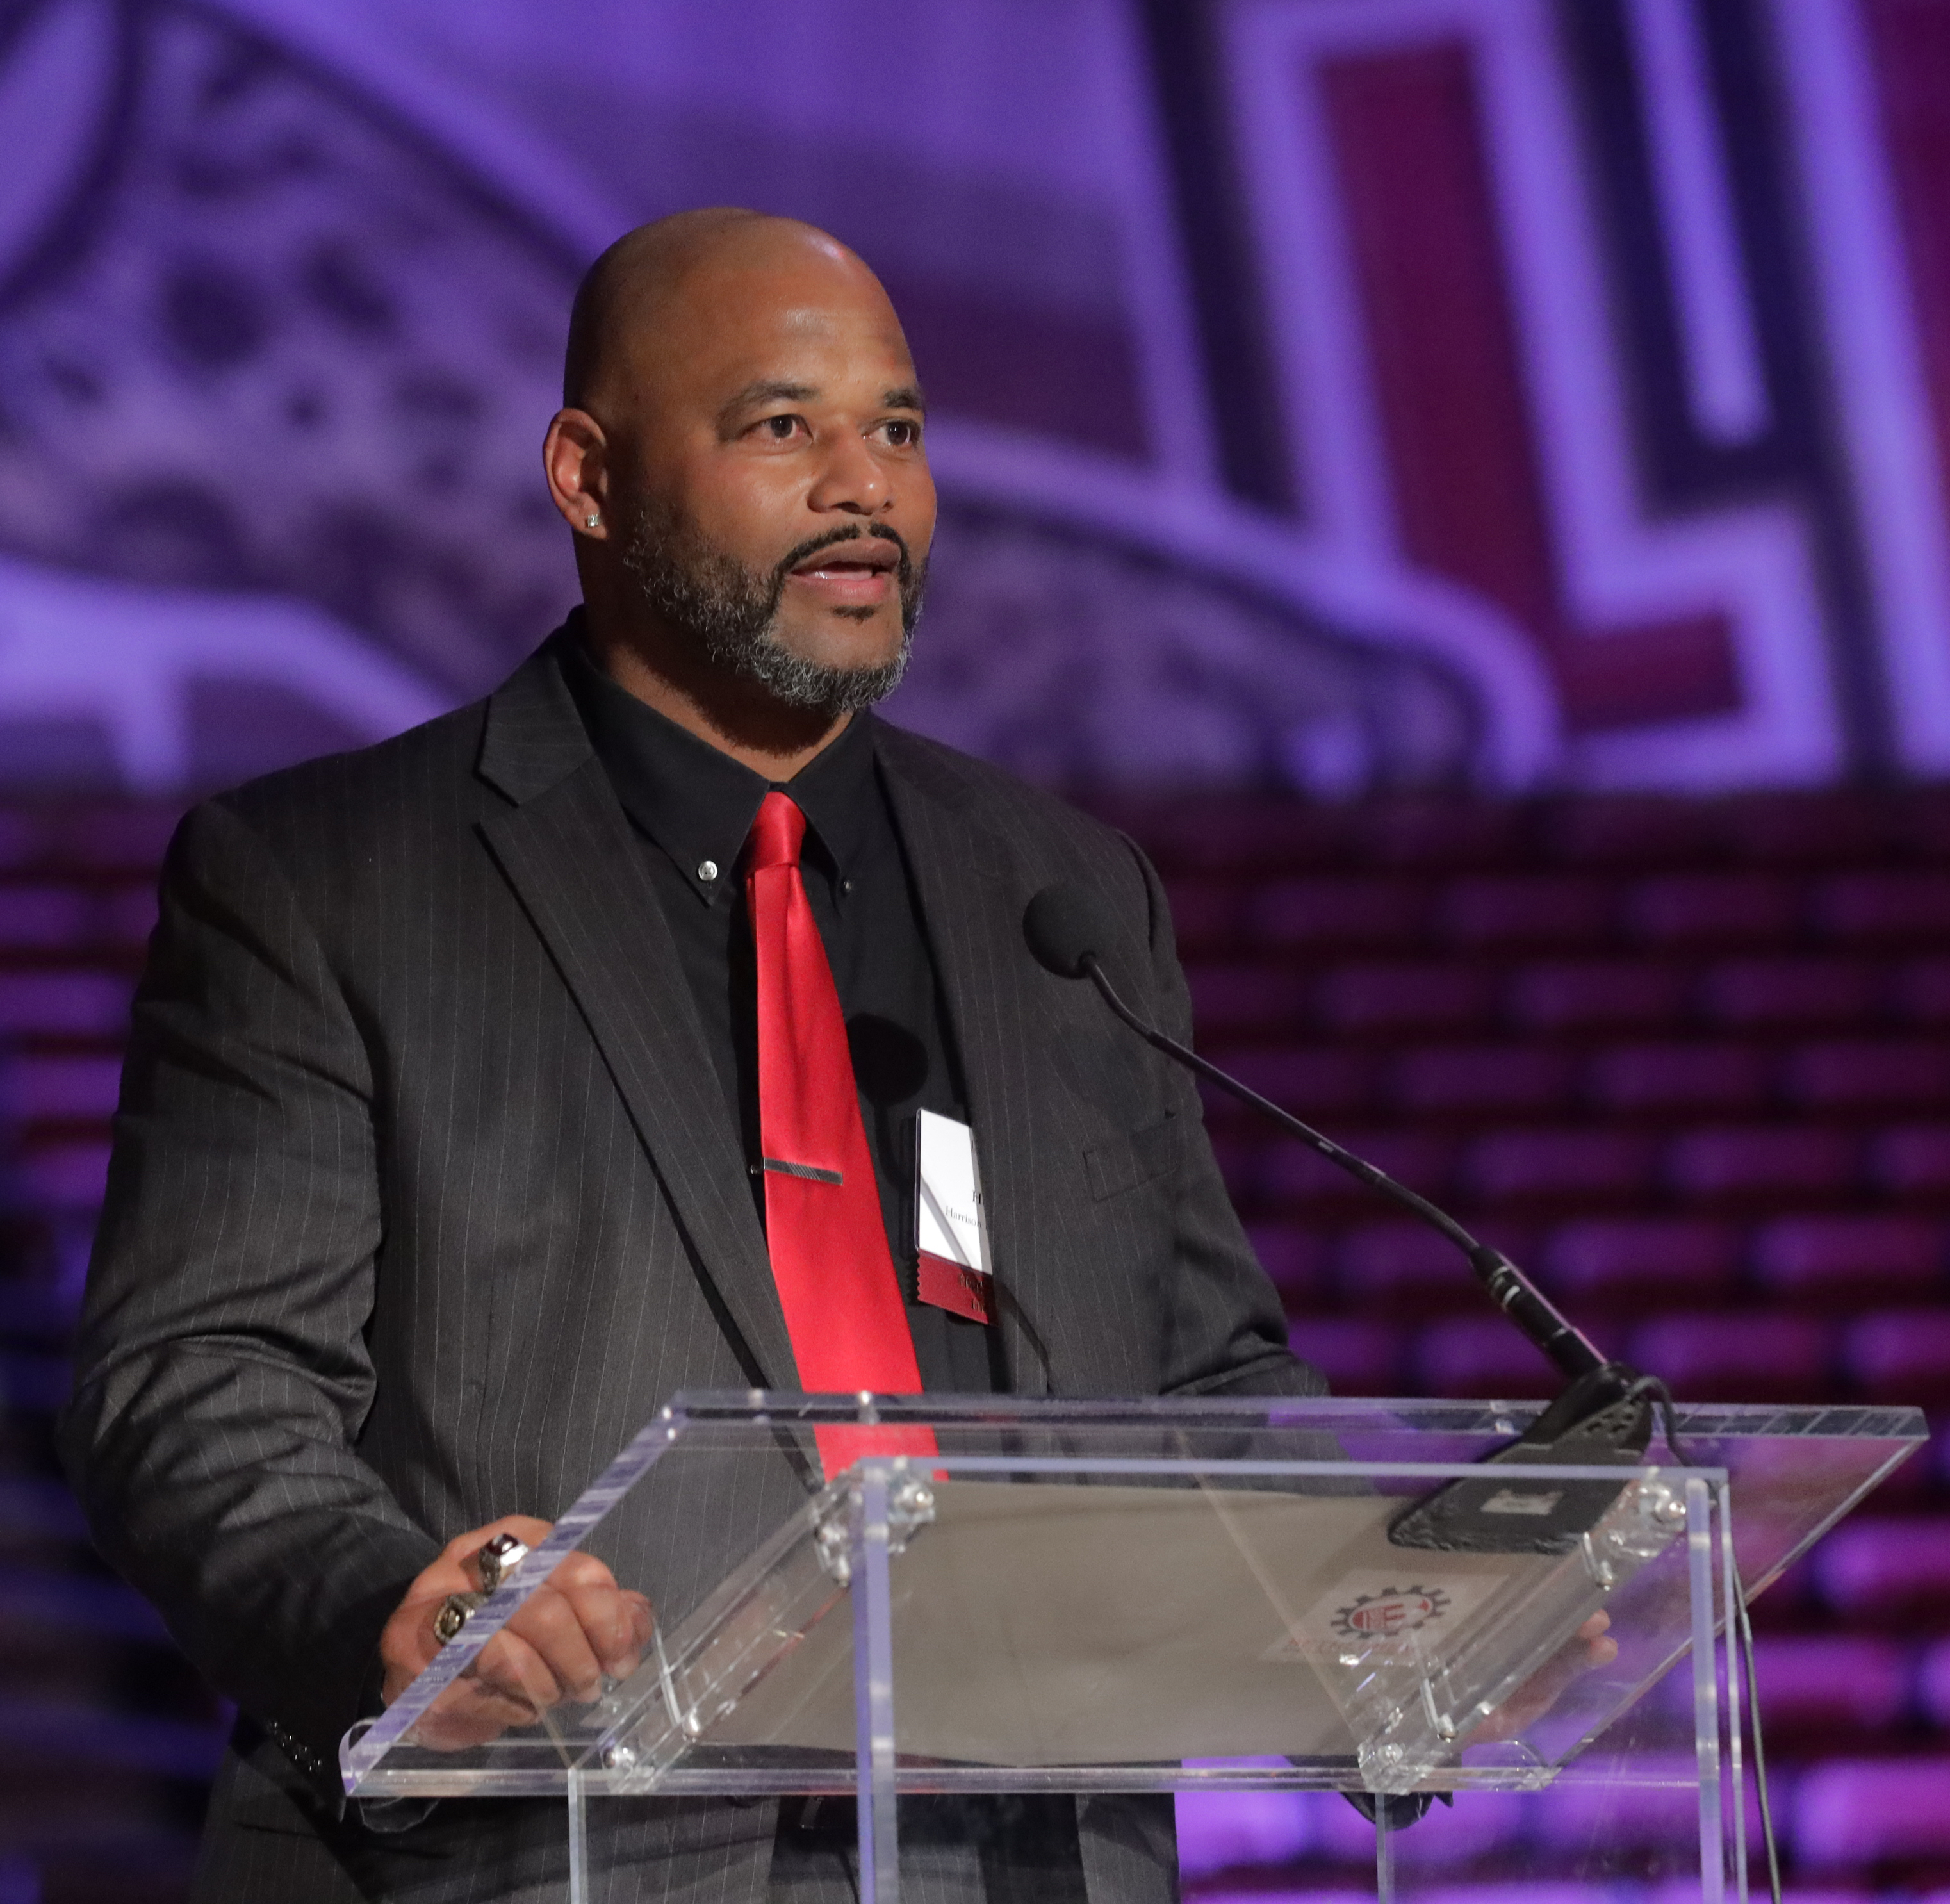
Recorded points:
(284,351)
(298,358)
(1483,430)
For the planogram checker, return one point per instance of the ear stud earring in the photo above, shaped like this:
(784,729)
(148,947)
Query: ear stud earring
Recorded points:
(590,522)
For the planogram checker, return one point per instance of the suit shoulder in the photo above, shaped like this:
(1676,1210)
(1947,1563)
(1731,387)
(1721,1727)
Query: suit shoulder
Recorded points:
(345,808)
(361,778)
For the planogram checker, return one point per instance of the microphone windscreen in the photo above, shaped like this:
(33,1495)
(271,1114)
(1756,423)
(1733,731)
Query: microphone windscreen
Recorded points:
(1064,925)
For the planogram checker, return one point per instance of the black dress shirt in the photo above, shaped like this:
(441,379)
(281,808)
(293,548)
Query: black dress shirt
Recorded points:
(694,807)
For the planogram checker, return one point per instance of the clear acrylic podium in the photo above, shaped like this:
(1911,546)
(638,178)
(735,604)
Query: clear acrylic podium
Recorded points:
(993,1595)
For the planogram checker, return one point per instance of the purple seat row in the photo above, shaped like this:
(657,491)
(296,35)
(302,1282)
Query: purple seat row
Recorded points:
(1636,1079)
(1790,1165)
(1453,998)
(1368,911)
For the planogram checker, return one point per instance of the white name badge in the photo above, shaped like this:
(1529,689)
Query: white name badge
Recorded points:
(952,1232)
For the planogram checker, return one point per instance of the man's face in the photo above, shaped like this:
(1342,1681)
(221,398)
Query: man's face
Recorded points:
(776,505)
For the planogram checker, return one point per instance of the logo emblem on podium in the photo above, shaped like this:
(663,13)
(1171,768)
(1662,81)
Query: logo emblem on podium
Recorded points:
(1392,1611)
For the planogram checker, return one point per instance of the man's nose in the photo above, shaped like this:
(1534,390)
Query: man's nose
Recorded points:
(852,479)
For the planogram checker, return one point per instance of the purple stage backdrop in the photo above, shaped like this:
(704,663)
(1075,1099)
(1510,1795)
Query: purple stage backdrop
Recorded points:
(1467,481)
(1338,393)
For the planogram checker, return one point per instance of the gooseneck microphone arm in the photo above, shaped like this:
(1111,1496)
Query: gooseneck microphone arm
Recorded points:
(1064,930)
(1509,1288)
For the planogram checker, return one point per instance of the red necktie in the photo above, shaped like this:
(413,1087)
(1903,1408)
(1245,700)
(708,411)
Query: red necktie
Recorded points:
(829,1244)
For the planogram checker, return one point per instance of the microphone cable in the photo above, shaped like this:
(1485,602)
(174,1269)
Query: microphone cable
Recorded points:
(1741,1620)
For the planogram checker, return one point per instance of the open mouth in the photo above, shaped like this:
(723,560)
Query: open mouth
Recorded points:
(846,560)
(855,573)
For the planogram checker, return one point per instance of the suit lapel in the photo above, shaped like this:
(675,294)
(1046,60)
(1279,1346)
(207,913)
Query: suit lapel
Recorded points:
(567,850)
(971,911)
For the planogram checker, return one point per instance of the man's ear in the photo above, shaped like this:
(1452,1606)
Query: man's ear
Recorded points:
(575,455)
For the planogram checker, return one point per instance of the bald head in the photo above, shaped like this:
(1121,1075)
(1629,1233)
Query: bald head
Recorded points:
(656,277)
(740,455)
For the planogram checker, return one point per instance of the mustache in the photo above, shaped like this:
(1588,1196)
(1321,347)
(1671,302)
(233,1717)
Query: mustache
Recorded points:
(832,538)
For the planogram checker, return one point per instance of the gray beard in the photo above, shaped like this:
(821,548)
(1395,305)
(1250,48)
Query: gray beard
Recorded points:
(731,612)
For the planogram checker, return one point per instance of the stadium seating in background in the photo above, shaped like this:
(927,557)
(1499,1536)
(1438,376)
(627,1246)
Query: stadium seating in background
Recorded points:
(1688,1062)
(107,1740)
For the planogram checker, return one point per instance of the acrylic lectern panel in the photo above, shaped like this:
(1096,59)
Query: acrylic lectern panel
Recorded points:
(1014,1596)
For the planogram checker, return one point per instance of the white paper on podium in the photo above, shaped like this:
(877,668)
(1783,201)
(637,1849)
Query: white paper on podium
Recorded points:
(1059,1625)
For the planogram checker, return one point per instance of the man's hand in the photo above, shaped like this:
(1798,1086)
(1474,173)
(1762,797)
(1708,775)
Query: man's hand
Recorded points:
(1591,1648)
(568,1635)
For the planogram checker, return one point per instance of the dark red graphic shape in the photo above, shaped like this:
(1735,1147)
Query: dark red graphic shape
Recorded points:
(1429,265)
(1909,47)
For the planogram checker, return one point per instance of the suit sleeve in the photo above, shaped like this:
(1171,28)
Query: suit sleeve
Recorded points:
(1227,1332)
(222,1378)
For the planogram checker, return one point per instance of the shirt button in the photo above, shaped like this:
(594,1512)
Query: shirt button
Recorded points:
(707,869)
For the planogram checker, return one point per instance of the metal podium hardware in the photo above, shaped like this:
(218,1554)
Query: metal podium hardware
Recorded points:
(1170,1595)
(910,1506)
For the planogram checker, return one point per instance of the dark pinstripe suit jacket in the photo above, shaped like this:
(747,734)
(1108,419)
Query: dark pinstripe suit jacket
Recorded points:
(424,1197)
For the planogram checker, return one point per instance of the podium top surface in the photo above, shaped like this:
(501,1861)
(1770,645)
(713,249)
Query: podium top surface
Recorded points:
(1412,1416)
(1101,1593)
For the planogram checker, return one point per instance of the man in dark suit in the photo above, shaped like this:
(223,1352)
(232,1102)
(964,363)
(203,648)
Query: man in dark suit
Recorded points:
(441,1160)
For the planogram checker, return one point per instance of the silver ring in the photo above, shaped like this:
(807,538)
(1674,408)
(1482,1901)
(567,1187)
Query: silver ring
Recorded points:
(498,1560)
(455,1611)
(496,1563)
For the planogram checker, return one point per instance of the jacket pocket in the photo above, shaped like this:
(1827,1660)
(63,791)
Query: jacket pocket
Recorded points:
(1121,1163)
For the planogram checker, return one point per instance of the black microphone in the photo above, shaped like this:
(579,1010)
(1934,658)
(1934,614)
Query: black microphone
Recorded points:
(1067,927)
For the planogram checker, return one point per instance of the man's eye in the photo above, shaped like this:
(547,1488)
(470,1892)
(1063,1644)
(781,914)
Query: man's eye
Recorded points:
(779,429)
(901,434)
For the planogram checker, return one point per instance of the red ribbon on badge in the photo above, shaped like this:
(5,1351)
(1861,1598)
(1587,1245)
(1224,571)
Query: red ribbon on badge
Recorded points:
(956,1288)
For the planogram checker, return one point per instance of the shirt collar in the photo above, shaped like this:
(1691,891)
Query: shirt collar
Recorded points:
(697,804)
